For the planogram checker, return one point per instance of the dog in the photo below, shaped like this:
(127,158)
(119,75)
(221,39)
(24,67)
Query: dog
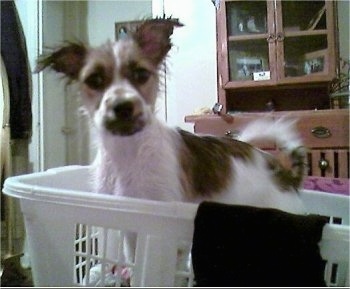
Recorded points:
(140,156)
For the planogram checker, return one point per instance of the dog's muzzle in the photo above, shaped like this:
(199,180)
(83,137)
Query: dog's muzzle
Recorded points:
(125,118)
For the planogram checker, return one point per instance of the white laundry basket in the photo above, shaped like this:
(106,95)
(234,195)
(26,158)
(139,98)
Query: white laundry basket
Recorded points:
(75,237)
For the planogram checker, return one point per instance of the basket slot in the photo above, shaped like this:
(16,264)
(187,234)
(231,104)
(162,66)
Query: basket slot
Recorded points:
(79,260)
(82,254)
(334,206)
(336,274)
(335,249)
(99,257)
(159,261)
(100,261)
(335,220)
(184,276)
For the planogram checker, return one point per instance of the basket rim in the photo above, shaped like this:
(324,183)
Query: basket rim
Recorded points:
(17,187)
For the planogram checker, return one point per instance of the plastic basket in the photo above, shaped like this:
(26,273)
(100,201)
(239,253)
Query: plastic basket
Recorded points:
(75,237)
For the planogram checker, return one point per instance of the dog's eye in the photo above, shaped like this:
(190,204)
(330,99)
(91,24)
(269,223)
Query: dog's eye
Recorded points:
(96,81)
(140,75)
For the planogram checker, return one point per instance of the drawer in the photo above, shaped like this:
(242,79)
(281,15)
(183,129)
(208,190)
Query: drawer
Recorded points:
(320,131)
(217,126)
(332,163)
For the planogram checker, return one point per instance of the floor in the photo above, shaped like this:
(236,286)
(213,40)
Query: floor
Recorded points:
(13,275)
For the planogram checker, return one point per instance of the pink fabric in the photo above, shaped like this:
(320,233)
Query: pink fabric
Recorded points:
(330,185)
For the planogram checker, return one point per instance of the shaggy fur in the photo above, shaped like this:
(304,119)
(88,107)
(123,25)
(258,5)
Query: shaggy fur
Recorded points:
(139,156)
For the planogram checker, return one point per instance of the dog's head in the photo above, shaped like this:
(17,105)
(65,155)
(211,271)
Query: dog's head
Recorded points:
(119,80)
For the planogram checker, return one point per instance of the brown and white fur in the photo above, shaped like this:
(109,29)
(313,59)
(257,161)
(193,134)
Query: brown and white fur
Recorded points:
(139,156)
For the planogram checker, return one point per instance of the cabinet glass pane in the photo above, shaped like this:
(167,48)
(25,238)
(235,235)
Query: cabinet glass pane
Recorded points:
(305,55)
(247,57)
(246,17)
(304,15)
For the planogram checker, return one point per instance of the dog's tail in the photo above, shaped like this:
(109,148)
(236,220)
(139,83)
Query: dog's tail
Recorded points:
(284,133)
(281,131)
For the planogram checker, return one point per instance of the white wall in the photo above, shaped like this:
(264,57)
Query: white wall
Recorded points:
(192,74)
(343,24)
(102,16)
(29,12)
(191,67)
(53,89)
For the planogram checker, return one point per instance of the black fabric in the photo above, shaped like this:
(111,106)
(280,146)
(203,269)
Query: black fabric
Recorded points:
(247,246)
(14,54)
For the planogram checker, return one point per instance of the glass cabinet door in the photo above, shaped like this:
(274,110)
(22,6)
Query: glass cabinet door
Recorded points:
(303,39)
(247,45)
(276,42)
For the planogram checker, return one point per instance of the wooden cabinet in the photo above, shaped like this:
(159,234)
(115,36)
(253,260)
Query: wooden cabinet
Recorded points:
(276,59)
(324,133)
(282,47)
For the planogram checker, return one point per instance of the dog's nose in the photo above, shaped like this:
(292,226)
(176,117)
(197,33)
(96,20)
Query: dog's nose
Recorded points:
(127,110)
(124,110)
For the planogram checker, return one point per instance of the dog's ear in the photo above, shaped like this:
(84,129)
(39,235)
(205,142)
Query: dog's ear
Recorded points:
(153,37)
(68,59)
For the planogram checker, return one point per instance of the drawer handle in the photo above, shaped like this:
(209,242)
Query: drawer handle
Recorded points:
(271,38)
(232,133)
(321,132)
(323,164)
(280,37)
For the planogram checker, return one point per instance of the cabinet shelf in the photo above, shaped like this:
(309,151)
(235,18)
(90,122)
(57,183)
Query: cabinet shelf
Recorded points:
(247,37)
(306,33)
(286,34)
(270,44)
